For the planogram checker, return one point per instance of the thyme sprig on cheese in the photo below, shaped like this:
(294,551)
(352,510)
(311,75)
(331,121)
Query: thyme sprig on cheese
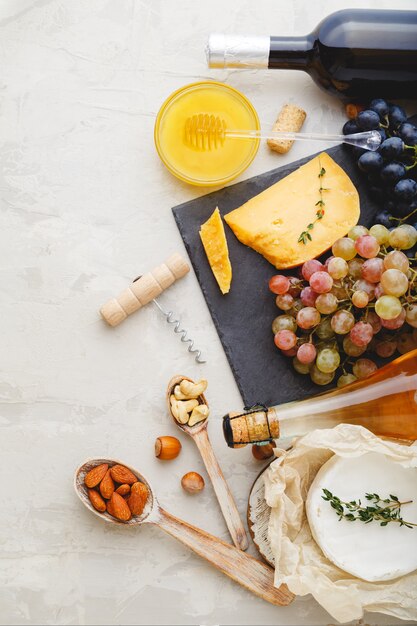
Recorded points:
(379,510)
(306,235)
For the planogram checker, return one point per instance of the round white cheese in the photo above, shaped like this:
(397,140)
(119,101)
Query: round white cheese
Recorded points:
(368,551)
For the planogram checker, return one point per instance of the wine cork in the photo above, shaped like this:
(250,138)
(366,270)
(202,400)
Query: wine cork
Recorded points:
(290,119)
(256,426)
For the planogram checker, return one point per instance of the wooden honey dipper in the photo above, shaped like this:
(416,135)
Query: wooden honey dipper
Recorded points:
(144,290)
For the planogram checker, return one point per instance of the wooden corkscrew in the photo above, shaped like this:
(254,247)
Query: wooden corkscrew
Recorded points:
(145,289)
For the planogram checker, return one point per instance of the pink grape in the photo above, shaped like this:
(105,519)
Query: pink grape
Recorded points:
(337,268)
(364,368)
(285,339)
(360,299)
(284,302)
(355,267)
(406,343)
(279,284)
(309,267)
(386,348)
(308,317)
(367,246)
(364,285)
(395,323)
(327,261)
(342,321)
(361,334)
(308,296)
(321,282)
(326,303)
(372,270)
(379,291)
(306,353)
(375,321)
(291,352)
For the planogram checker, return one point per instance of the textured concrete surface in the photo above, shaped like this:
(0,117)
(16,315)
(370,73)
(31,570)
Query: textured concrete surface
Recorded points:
(86,206)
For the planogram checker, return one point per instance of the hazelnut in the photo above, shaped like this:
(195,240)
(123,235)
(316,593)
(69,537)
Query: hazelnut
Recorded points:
(263,452)
(192,482)
(167,448)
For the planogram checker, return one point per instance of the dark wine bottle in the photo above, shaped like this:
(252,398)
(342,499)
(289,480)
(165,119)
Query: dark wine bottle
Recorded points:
(356,54)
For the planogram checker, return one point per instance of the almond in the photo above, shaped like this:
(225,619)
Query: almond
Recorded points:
(121,474)
(138,497)
(107,486)
(95,475)
(96,500)
(118,508)
(124,490)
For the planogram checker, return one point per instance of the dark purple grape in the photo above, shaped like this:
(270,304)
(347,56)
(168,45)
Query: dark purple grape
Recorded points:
(391,148)
(405,189)
(392,172)
(411,252)
(396,116)
(368,120)
(350,128)
(402,209)
(370,162)
(408,134)
(383,134)
(383,217)
(381,107)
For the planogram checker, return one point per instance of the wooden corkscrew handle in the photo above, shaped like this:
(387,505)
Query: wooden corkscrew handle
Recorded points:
(145,289)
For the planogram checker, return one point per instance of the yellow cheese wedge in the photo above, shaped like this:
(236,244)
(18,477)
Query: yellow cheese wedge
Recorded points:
(215,244)
(272,222)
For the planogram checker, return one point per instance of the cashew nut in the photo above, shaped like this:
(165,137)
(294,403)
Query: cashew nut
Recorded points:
(199,414)
(178,395)
(192,390)
(181,409)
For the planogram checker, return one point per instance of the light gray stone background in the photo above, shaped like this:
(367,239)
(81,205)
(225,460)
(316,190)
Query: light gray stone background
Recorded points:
(86,206)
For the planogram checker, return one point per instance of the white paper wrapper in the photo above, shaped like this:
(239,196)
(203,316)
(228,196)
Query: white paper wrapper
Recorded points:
(299,561)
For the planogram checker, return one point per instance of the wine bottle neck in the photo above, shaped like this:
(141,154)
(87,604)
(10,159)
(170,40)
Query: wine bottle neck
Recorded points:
(290,53)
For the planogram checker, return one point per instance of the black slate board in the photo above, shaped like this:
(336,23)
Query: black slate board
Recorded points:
(243,317)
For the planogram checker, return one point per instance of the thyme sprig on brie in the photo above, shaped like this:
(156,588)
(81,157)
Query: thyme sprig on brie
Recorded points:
(379,510)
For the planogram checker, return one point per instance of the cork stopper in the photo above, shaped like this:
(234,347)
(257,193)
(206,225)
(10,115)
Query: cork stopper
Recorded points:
(255,426)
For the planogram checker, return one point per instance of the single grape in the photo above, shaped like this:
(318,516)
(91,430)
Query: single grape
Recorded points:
(395,323)
(405,189)
(309,267)
(337,268)
(397,260)
(360,299)
(295,286)
(367,246)
(386,347)
(297,306)
(392,172)
(324,330)
(406,343)
(391,148)
(320,378)
(308,317)
(301,368)
(411,315)
(321,282)
(284,322)
(403,237)
(357,231)
(408,134)
(285,339)
(368,120)
(364,368)
(381,107)
(375,321)
(328,360)
(380,232)
(361,334)
(342,321)
(388,307)
(384,218)
(326,303)
(344,248)
(372,270)
(289,353)
(370,162)
(352,349)
(396,116)
(284,302)
(306,353)
(355,267)
(364,285)
(394,283)
(279,284)
(350,127)
(308,296)
(345,379)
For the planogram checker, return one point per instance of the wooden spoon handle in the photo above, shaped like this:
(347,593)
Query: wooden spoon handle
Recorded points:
(222,491)
(252,574)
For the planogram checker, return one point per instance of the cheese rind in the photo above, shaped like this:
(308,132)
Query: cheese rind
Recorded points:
(214,241)
(272,222)
(368,551)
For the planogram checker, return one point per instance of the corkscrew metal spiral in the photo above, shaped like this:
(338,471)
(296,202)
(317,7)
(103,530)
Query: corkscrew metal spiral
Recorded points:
(180,331)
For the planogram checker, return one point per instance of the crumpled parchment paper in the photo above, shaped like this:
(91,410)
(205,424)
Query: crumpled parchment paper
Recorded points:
(299,561)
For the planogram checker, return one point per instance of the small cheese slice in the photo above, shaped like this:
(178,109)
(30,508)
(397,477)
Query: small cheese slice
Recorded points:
(272,222)
(368,551)
(214,241)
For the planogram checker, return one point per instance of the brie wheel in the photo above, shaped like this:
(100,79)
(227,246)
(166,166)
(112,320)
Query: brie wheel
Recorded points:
(368,551)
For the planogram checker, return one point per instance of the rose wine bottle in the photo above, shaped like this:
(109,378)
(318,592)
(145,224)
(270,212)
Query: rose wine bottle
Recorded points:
(357,54)
(384,403)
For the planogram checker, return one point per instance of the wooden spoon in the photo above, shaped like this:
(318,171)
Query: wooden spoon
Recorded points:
(252,574)
(221,489)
